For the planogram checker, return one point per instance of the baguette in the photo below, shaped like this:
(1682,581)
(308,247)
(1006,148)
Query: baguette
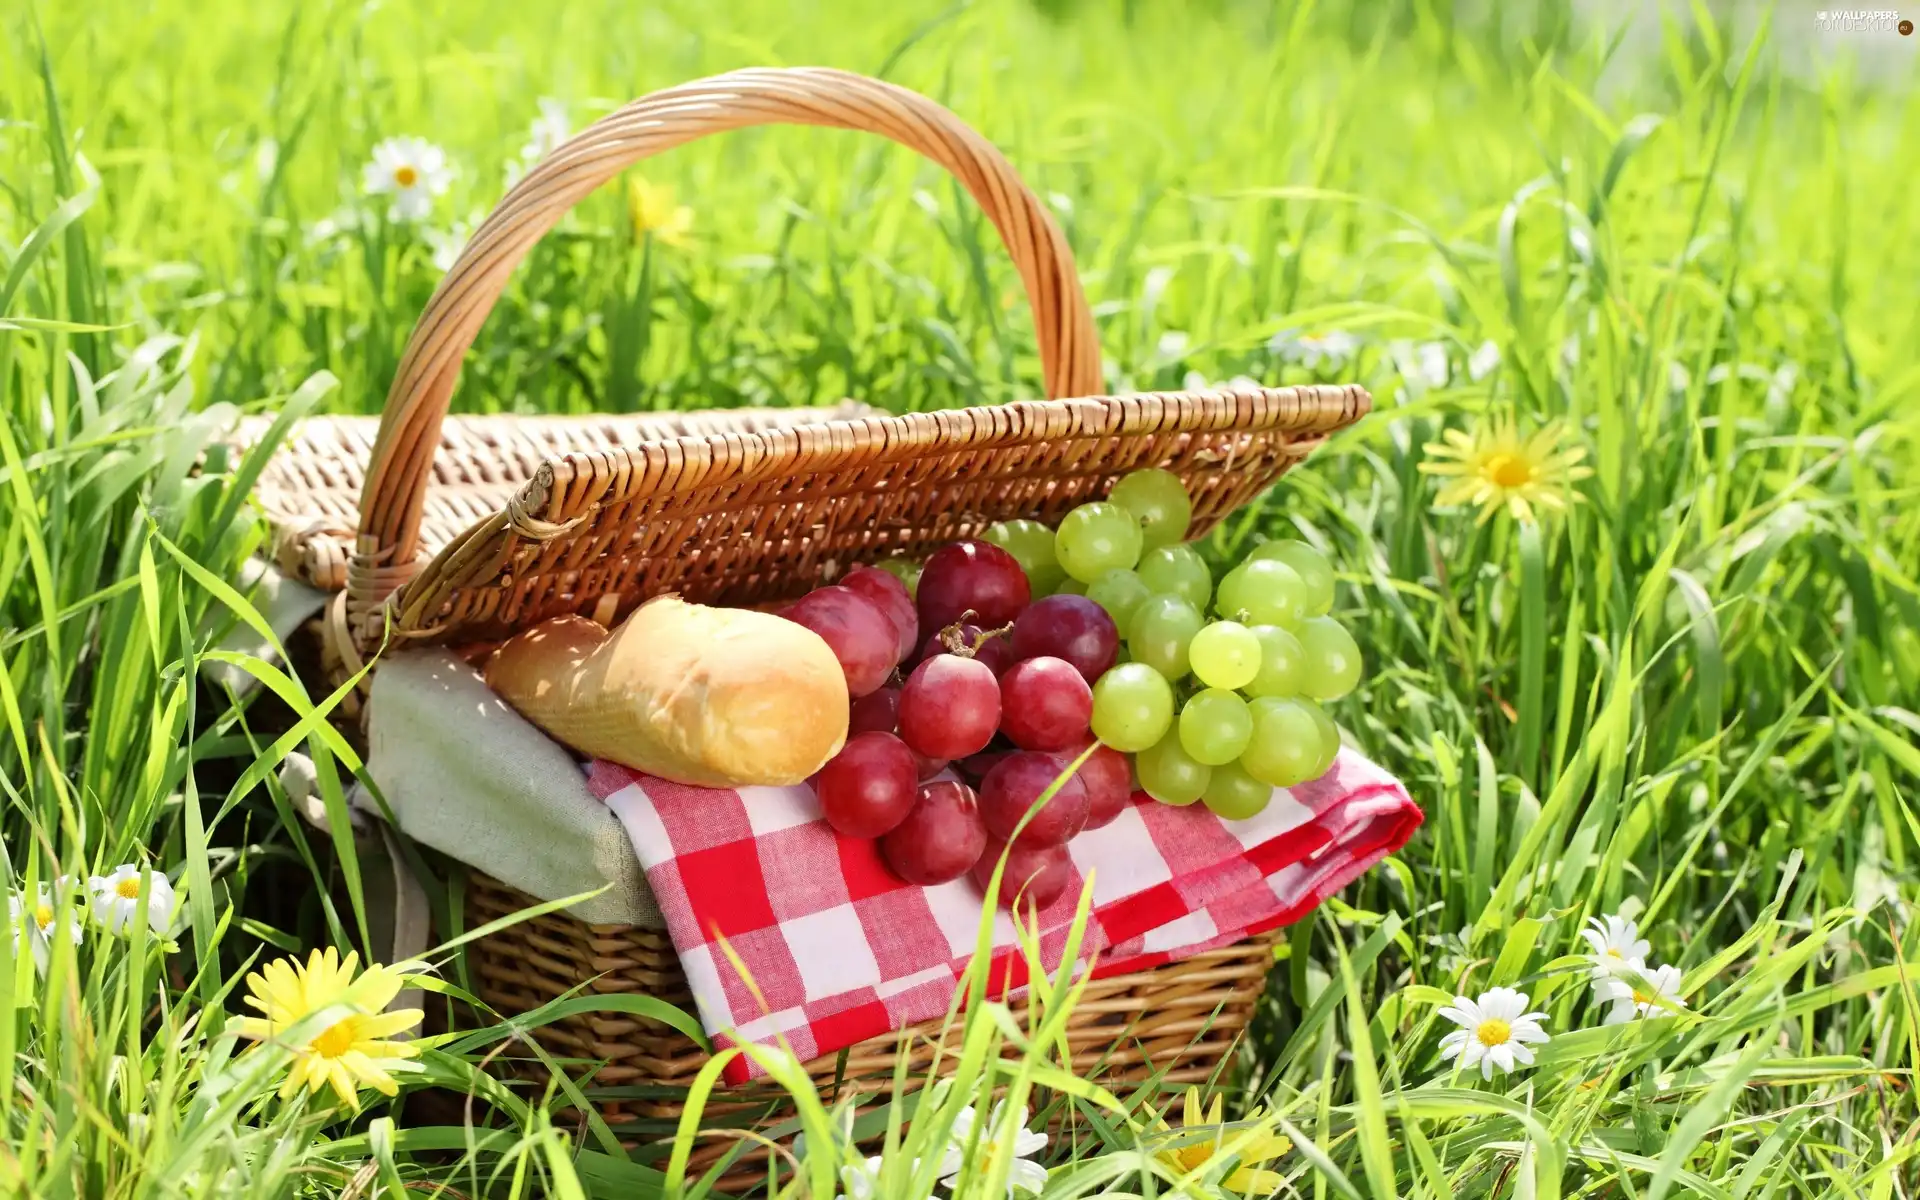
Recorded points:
(714,697)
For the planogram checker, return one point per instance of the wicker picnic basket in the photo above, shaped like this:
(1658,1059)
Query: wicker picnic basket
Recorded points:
(460,531)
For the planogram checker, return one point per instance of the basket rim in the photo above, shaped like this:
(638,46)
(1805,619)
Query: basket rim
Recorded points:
(567,490)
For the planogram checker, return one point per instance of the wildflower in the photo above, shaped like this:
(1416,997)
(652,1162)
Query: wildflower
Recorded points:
(1657,997)
(116,899)
(651,208)
(1494,1032)
(549,129)
(445,245)
(860,1182)
(1482,361)
(41,923)
(1616,943)
(1021,1172)
(352,1053)
(1195,381)
(1422,365)
(1251,1149)
(1499,469)
(412,171)
(1172,344)
(1315,350)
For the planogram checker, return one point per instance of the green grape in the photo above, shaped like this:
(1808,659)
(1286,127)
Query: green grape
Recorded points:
(1332,662)
(1267,592)
(906,570)
(1169,774)
(1161,629)
(1215,726)
(1177,571)
(1068,586)
(1310,565)
(1121,592)
(1097,538)
(1031,545)
(1234,795)
(1286,742)
(1329,738)
(1132,707)
(1282,662)
(1159,501)
(1226,654)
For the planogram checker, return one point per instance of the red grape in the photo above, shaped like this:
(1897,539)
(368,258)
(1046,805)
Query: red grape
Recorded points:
(1043,871)
(971,576)
(1013,785)
(974,767)
(1045,704)
(855,629)
(1108,778)
(886,591)
(950,707)
(1070,627)
(941,838)
(926,767)
(869,787)
(876,712)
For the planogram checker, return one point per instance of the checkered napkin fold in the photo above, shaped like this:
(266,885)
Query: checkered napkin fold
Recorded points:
(841,951)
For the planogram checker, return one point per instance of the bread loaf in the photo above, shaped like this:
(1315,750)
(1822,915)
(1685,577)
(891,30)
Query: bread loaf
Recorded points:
(715,697)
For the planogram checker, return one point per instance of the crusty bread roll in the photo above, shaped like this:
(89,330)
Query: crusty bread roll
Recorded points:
(716,697)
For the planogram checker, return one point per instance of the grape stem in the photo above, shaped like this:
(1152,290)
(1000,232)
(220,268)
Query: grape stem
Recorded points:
(954,638)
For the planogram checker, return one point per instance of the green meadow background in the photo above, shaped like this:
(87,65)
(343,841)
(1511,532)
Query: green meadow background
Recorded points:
(1688,230)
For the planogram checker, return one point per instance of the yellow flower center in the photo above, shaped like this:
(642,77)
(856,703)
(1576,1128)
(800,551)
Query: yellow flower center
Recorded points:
(338,1038)
(1508,470)
(405,175)
(43,917)
(128,888)
(1640,997)
(1612,953)
(1493,1032)
(1193,1156)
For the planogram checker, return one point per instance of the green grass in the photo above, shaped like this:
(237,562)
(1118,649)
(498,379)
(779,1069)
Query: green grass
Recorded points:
(1693,699)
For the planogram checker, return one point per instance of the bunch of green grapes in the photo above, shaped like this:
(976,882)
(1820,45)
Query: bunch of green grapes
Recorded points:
(1223,709)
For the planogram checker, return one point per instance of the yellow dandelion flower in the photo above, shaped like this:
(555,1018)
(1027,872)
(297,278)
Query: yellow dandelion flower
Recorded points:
(353,1052)
(1251,1149)
(651,209)
(1498,469)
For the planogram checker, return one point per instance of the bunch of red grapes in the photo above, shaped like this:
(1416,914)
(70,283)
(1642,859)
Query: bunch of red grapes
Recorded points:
(1000,689)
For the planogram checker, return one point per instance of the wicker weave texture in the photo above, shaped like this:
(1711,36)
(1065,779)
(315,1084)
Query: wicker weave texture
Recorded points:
(310,489)
(1180,1020)
(749,517)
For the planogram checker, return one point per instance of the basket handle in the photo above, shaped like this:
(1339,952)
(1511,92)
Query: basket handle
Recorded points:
(397,477)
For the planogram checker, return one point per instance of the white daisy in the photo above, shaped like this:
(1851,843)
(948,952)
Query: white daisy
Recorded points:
(411,170)
(41,923)
(861,1182)
(116,899)
(1482,361)
(1422,365)
(548,130)
(1616,943)
(445,245)
(1315,350)
(1657,997)
(1494,1032)
(1021,1173)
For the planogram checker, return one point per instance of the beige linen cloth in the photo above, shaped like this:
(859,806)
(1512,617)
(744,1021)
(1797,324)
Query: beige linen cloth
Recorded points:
(463,773)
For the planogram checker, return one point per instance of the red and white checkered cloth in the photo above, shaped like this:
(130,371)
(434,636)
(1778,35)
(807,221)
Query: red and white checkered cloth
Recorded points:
(842,951)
